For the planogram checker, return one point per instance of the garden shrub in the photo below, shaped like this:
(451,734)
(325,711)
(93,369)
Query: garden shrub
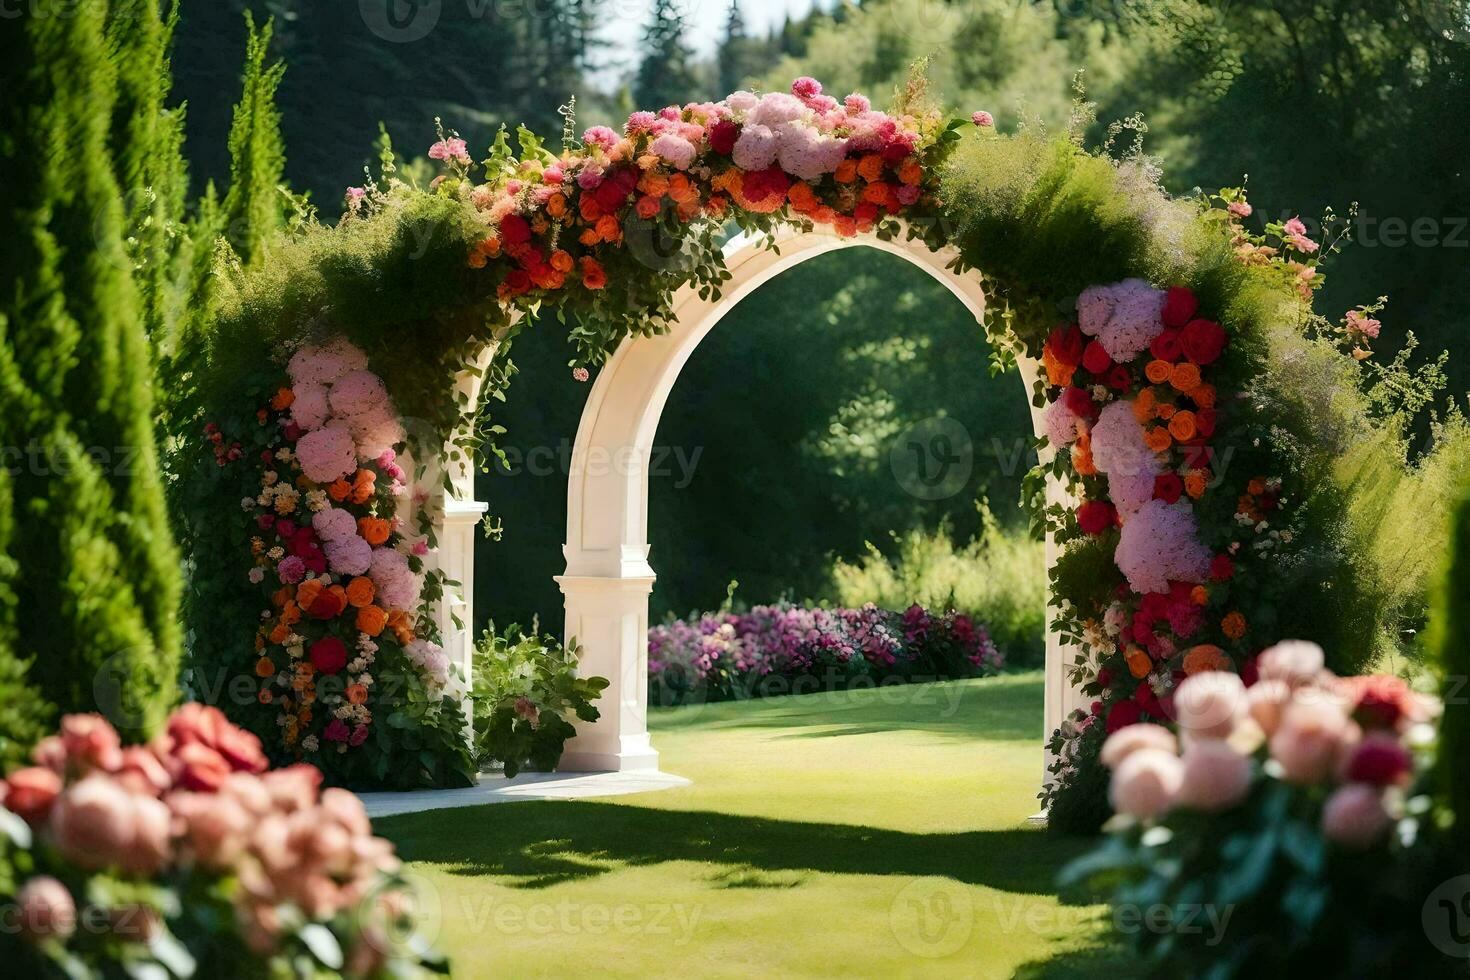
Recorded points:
(526,692)
(788,649)
(1449,643)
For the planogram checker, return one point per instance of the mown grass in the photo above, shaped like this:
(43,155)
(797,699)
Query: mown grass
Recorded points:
(859,833)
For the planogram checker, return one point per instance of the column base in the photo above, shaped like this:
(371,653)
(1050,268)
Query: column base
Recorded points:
(639,760)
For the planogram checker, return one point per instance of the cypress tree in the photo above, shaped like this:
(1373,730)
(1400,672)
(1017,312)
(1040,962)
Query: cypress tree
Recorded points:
(664,76)
(89,584)
(734,55)
(1449,640)
(254,204)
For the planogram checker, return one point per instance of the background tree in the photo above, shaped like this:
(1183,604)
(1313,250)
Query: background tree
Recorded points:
(89,584)
(664,75)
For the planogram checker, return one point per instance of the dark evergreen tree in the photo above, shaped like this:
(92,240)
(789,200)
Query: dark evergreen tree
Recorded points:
(734,58)
(254,205)
(89,582)
(1449,624)
(664,76)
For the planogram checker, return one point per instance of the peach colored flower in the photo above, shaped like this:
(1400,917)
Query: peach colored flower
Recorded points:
(1145,783)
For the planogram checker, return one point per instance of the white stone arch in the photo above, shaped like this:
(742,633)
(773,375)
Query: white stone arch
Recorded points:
(608,577)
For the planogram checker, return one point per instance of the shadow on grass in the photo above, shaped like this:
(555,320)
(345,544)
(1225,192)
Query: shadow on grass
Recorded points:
(547,842)
(998,709)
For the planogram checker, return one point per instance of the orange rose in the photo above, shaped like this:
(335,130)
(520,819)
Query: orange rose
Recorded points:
(291,613)
(371,620)
(1205,657)
(556,205)
(364,484)
(283,399)
(282,595)
(279,633)
(1199,595)
(401,626)
(1057,373)
(1158,371)
(1204,395)
(911,172)
(360,591)
(647,206)
(1145,405)
(374,530)
(1182,426)
(588,207)
(1139,663)
(264,667)
(1195,484)
(870,167)
(356,694)
(608,228)
(1256,486)
(561,260)
(589,237)
(307,592)
(1166,411)
(1158,439)
(1185,377)
(489,247)
(339,490)
(847,172)
(1082,455)
(1233,625)
(476,260)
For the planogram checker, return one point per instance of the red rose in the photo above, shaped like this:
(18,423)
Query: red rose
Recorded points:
(514,230)
(1123,714)
(1104,677)
(1168,487)
(1204,421)
(866,211)
(517,280)
(1095,516)
(1119,378)
(722,136)
(1095,358)
(327,605)
(329,655)
(1145,697)
(1380,760)
(1143,631)
(1202,340)
(1382,701)
(1066,345)
(1221,568)
(1250,671)
(610,195)
(1180,306)
(1079,402)
(1166,346)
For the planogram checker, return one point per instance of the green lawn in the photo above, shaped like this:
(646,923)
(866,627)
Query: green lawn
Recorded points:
(872,833)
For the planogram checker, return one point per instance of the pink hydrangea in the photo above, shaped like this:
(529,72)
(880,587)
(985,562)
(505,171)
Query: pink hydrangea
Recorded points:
(397,584)
(310,408)
(376,433)
(328,453)
(776,109)
(1129,490)
(431,659)
(756,148)
(334,524)
(741,101)
(1160,544)
(357,393)
(1118,443)
(808,154)
(1125,317)
(600,136)
(325,363)
(676,151)
(349,556)
(1061,423)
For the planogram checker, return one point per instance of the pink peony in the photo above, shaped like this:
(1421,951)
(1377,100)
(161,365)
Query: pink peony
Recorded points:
(857,103)
(1134,738)
(1216,777)
(98,824)
(1145,783)
(982,119)
(1309,740)
(806,87)
(1160,544)
(1355,816)
(755,149)
(376,432)
(1062,424)
(601,136)
(45,910)
(1129,491)
(215,826)
(1295,662)
(204,725)
(1267,703)
(327,454)
(639,122)
(676,151)
(310,410)
(1209,704)
(358,393)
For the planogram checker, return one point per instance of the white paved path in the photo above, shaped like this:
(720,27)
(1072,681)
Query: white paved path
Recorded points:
(495,788)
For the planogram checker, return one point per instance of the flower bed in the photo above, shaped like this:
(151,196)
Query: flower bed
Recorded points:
(1285,825)
(187,857)
(784,649)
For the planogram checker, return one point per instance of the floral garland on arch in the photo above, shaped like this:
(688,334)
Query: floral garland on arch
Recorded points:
(349,669)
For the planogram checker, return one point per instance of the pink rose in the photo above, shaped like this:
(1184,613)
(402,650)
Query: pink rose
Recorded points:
(1145,783)
(30,792)
(1209,704)
(91,743)
(208,726)
(1267,700)
(1355,817)
(47,910)
(1293,661)
(294,787)
(1134,738)
(1216,777)
(141,772)
(215,827)
(1307,743)
(96,824)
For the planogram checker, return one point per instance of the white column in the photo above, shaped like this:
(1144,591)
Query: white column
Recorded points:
(608,618)
(456,558)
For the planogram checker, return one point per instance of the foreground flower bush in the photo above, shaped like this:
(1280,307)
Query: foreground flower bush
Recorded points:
(1281,828)
(781,649)
(188,857)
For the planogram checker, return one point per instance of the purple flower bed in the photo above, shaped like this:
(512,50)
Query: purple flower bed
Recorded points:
(783,648)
